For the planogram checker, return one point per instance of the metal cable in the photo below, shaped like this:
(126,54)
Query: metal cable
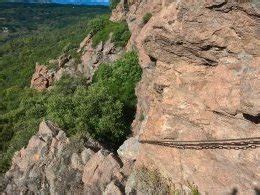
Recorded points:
(237,144)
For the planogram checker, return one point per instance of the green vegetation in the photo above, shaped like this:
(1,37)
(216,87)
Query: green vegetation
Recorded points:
(103,110)
(147,17)
(102,27)
(150,181)
(97,24)
(113,4)
(194,189)
(25,19)
(36,33)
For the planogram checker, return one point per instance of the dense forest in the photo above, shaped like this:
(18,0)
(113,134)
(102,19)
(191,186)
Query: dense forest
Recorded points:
(34,33)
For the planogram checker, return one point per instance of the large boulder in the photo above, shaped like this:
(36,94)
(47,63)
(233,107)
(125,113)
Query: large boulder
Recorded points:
(129,149)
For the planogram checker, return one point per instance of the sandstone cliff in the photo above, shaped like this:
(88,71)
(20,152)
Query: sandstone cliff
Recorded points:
(201,70)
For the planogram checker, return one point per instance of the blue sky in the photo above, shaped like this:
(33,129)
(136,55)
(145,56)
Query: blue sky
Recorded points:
(86,2)
(79,2)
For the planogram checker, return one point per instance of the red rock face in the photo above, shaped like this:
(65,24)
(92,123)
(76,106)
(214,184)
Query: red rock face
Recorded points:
(41,78)
(201,70)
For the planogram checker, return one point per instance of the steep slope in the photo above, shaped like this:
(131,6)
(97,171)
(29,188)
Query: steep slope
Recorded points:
(200,81)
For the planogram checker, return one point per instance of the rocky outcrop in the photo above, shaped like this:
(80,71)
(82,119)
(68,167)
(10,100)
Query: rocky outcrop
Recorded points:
(45,75)
(42,78)
(200,81)
(90,59)
(53,164)
(101,171)
(66,65)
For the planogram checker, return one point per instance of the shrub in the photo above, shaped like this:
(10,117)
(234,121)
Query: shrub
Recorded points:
(119,30)
(150,181)
(97,24)
(121,35)
(147,17)
(100,115)
(121,78)
(114,3)
(110,102)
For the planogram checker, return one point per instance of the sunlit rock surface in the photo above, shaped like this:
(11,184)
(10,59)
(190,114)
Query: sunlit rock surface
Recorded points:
(201,70)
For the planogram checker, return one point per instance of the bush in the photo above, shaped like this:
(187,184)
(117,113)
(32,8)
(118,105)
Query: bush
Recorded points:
(150,181)
(147,17)
(110,103)
(120,32)
(100,115)
(114,3)
(97,24)
(121,35)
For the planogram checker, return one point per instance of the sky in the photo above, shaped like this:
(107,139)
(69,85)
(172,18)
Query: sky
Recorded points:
(88,2)
(81,2)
